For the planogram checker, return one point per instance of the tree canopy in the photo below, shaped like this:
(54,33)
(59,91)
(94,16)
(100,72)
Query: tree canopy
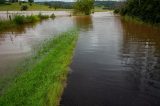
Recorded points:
(2,1)
(84,6)
(146,10)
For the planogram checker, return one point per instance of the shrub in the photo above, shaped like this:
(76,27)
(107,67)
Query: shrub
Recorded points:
(116,11)
(52,15)
(31,19)
(24,7)
(19,19)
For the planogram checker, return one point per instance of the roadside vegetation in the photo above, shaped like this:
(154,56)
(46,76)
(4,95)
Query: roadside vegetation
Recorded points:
(21,20)
(43,78)
(147,11)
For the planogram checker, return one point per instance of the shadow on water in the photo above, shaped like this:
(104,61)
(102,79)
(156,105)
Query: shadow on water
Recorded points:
(83,22)
(116,63)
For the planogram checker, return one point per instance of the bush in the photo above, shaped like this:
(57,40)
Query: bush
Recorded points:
(19,19)
(116,11)
(52,16)
(24,7)
(31,19)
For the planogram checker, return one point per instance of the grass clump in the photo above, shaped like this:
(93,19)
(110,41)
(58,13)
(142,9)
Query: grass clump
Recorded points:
(6,24)
(42,84)
(25,19)
(20,20)
(43,16)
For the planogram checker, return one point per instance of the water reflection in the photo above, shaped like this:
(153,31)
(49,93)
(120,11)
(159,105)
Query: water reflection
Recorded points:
(116,63)
(18,43)
(83,22)
(141,55)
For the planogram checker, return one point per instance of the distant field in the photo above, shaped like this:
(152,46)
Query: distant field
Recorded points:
(100,9)
(38,7)
(16,7)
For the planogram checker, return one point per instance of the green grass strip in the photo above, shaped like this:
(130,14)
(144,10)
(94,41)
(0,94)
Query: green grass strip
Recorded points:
(42,84)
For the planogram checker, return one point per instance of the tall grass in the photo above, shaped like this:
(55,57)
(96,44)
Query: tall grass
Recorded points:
(43,81)
(6,24)
(20,20)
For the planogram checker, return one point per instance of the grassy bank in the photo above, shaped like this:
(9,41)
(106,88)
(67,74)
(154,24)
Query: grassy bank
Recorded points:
(43,81)
(20,20)
(139,21)
(34,7)
(17,7)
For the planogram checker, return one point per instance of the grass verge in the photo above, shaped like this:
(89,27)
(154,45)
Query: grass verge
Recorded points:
(43,81)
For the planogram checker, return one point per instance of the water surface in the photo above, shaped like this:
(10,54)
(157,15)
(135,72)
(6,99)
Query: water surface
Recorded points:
(18,44)
(116,63)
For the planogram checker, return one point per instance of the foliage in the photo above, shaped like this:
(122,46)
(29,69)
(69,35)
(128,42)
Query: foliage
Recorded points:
(52,15)
(84,6)
(43,80)
(146,10)
(17,7)
(58,4)
(20,20)
(30,1)
(6,24)
(2,1)
(24,7)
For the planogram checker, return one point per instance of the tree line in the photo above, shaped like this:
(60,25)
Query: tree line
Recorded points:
(146,10)
(13,1)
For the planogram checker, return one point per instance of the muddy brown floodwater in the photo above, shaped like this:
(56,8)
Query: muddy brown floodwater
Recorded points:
(116,63)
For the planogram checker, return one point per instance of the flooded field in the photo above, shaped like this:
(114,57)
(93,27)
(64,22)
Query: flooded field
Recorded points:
(116,63)
(17,44)
(5,14)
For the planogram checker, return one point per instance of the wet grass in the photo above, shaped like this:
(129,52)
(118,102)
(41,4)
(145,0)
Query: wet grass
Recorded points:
(44,78)
(21,20)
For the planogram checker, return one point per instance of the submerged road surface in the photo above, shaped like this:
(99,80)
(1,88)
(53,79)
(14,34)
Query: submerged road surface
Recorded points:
(116,63)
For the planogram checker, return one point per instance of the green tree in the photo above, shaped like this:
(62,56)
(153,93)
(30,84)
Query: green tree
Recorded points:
(2,1)
(84,6)
(146,10)
(30,1)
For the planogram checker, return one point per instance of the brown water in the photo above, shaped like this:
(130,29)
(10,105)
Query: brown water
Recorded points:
(116,63)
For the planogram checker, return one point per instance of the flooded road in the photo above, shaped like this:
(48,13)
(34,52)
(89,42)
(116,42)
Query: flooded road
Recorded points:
(116,63)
